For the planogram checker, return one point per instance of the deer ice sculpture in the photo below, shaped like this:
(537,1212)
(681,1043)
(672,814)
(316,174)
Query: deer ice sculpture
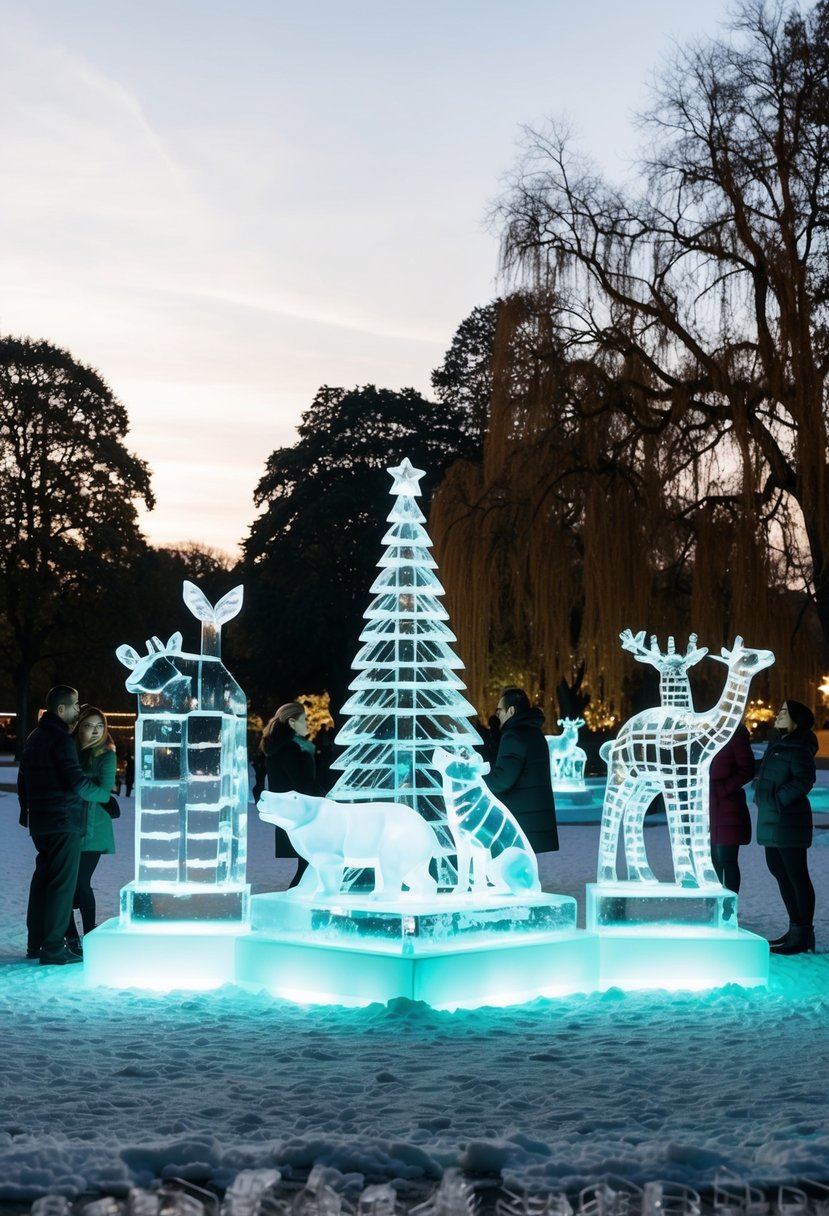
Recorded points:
(674,687)
(191,757)
(668,750)
(567,759)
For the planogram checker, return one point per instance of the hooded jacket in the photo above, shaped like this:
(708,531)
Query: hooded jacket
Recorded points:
(521,779)
(291,765)
(784,778)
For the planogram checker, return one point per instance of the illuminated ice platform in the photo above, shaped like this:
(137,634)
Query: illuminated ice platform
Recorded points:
(451,953)
(659,935)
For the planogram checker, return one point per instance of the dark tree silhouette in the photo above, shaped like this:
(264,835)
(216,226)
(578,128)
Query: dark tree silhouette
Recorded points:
(68,486)
(310,557)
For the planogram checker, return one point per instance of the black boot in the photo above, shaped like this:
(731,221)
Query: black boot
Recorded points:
(778,941)
(799,940)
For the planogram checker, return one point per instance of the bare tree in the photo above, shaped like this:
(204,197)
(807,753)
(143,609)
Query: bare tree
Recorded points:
(704,299)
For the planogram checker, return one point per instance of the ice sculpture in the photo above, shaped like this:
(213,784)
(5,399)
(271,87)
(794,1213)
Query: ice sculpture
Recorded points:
(493,853)
(389,837)
(191,788)
(567,759)
(668,750)
(407,697)
(674,685)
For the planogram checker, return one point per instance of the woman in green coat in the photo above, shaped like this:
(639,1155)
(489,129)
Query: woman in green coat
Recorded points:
(97,756)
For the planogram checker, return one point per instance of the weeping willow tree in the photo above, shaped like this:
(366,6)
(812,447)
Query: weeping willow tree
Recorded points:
(669,437)
(587,515)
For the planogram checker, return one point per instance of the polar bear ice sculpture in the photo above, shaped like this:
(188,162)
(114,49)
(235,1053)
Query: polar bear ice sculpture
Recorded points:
(387,836)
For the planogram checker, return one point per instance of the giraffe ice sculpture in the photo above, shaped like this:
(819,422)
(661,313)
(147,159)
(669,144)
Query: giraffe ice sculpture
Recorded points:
(191,761)
(668,750)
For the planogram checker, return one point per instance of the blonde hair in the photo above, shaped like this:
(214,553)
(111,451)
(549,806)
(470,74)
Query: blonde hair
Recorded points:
(106,744)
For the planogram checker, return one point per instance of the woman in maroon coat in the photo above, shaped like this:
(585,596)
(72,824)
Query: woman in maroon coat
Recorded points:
(731,769)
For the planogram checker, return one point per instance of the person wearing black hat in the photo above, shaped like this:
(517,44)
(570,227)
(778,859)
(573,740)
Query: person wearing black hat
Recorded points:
(784,821)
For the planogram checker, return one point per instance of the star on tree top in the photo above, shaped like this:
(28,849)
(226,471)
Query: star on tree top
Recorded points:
(406,478)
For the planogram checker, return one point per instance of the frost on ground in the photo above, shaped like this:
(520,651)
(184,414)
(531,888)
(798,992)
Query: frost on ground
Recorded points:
(101,1090)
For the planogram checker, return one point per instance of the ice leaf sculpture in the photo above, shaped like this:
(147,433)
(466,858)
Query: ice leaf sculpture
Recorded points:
(198,603)
(229,605)
(668,750)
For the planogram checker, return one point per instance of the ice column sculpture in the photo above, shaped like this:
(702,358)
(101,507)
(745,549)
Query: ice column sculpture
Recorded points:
(668,750)
(191,786)
(407,698)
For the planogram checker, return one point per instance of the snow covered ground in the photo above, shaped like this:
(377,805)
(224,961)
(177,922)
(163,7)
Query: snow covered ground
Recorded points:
(102,1089)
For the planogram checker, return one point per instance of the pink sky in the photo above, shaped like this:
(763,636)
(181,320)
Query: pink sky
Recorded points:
(223,207)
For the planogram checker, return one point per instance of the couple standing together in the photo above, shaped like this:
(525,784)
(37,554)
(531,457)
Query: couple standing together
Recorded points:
(63,785)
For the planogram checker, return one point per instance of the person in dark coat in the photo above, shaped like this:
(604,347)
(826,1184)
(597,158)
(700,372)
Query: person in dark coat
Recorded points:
(53,793)
(520,776)
(290,758)
(784,820)
(731,769)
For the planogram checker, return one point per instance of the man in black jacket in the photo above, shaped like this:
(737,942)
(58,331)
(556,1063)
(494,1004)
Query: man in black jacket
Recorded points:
(520,776)
(53,792)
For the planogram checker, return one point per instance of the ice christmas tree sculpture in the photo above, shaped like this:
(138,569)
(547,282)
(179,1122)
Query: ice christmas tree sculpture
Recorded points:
(407,696)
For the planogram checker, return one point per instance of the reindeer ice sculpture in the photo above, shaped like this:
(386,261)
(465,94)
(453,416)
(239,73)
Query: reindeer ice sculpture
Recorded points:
(668,750)
(567,760)
(191,760)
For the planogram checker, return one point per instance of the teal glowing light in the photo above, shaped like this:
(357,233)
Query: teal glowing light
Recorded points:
(455,915)
(191,787)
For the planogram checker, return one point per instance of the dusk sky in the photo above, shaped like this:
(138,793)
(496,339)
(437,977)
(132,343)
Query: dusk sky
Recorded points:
(223,206)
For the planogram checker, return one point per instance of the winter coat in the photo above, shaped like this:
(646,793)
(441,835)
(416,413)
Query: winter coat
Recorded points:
(784,778)
(520,778)
(731,769)
(291,764)
(51,785)
(99,836)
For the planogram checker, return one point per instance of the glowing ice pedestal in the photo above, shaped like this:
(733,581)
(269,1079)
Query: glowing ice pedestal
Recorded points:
(162,955)
(659,935)
(451,952)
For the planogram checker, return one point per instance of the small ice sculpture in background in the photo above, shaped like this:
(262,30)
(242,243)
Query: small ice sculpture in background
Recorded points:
(668,750)
(733,1196)
(567,759)
(407,696)
(453,1197)
(378,1200)
(610,1197)
(389,837)
(191,788)
(493,853)
(318,1198)
(523,1203)
(244,1195)
(670,1199)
